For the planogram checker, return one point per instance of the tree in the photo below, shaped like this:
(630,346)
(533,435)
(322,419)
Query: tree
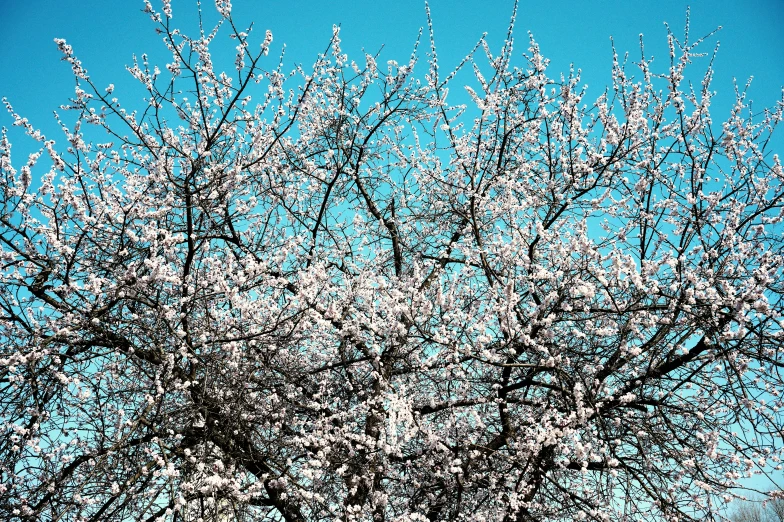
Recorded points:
(750,512)
(353,300)
(760,511)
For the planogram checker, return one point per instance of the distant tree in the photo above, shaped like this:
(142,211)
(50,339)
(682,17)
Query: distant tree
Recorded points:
(749,512)
(353,300)
(776,508)
(760,511)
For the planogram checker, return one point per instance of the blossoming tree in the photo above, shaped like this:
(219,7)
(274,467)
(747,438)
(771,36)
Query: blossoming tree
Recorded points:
(332,294)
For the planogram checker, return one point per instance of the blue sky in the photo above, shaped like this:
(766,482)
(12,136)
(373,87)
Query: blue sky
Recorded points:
(105,35)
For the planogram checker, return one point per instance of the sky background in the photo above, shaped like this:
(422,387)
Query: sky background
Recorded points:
(106,34)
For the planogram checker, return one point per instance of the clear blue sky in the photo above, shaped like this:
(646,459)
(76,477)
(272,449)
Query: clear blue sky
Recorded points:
(106,33)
